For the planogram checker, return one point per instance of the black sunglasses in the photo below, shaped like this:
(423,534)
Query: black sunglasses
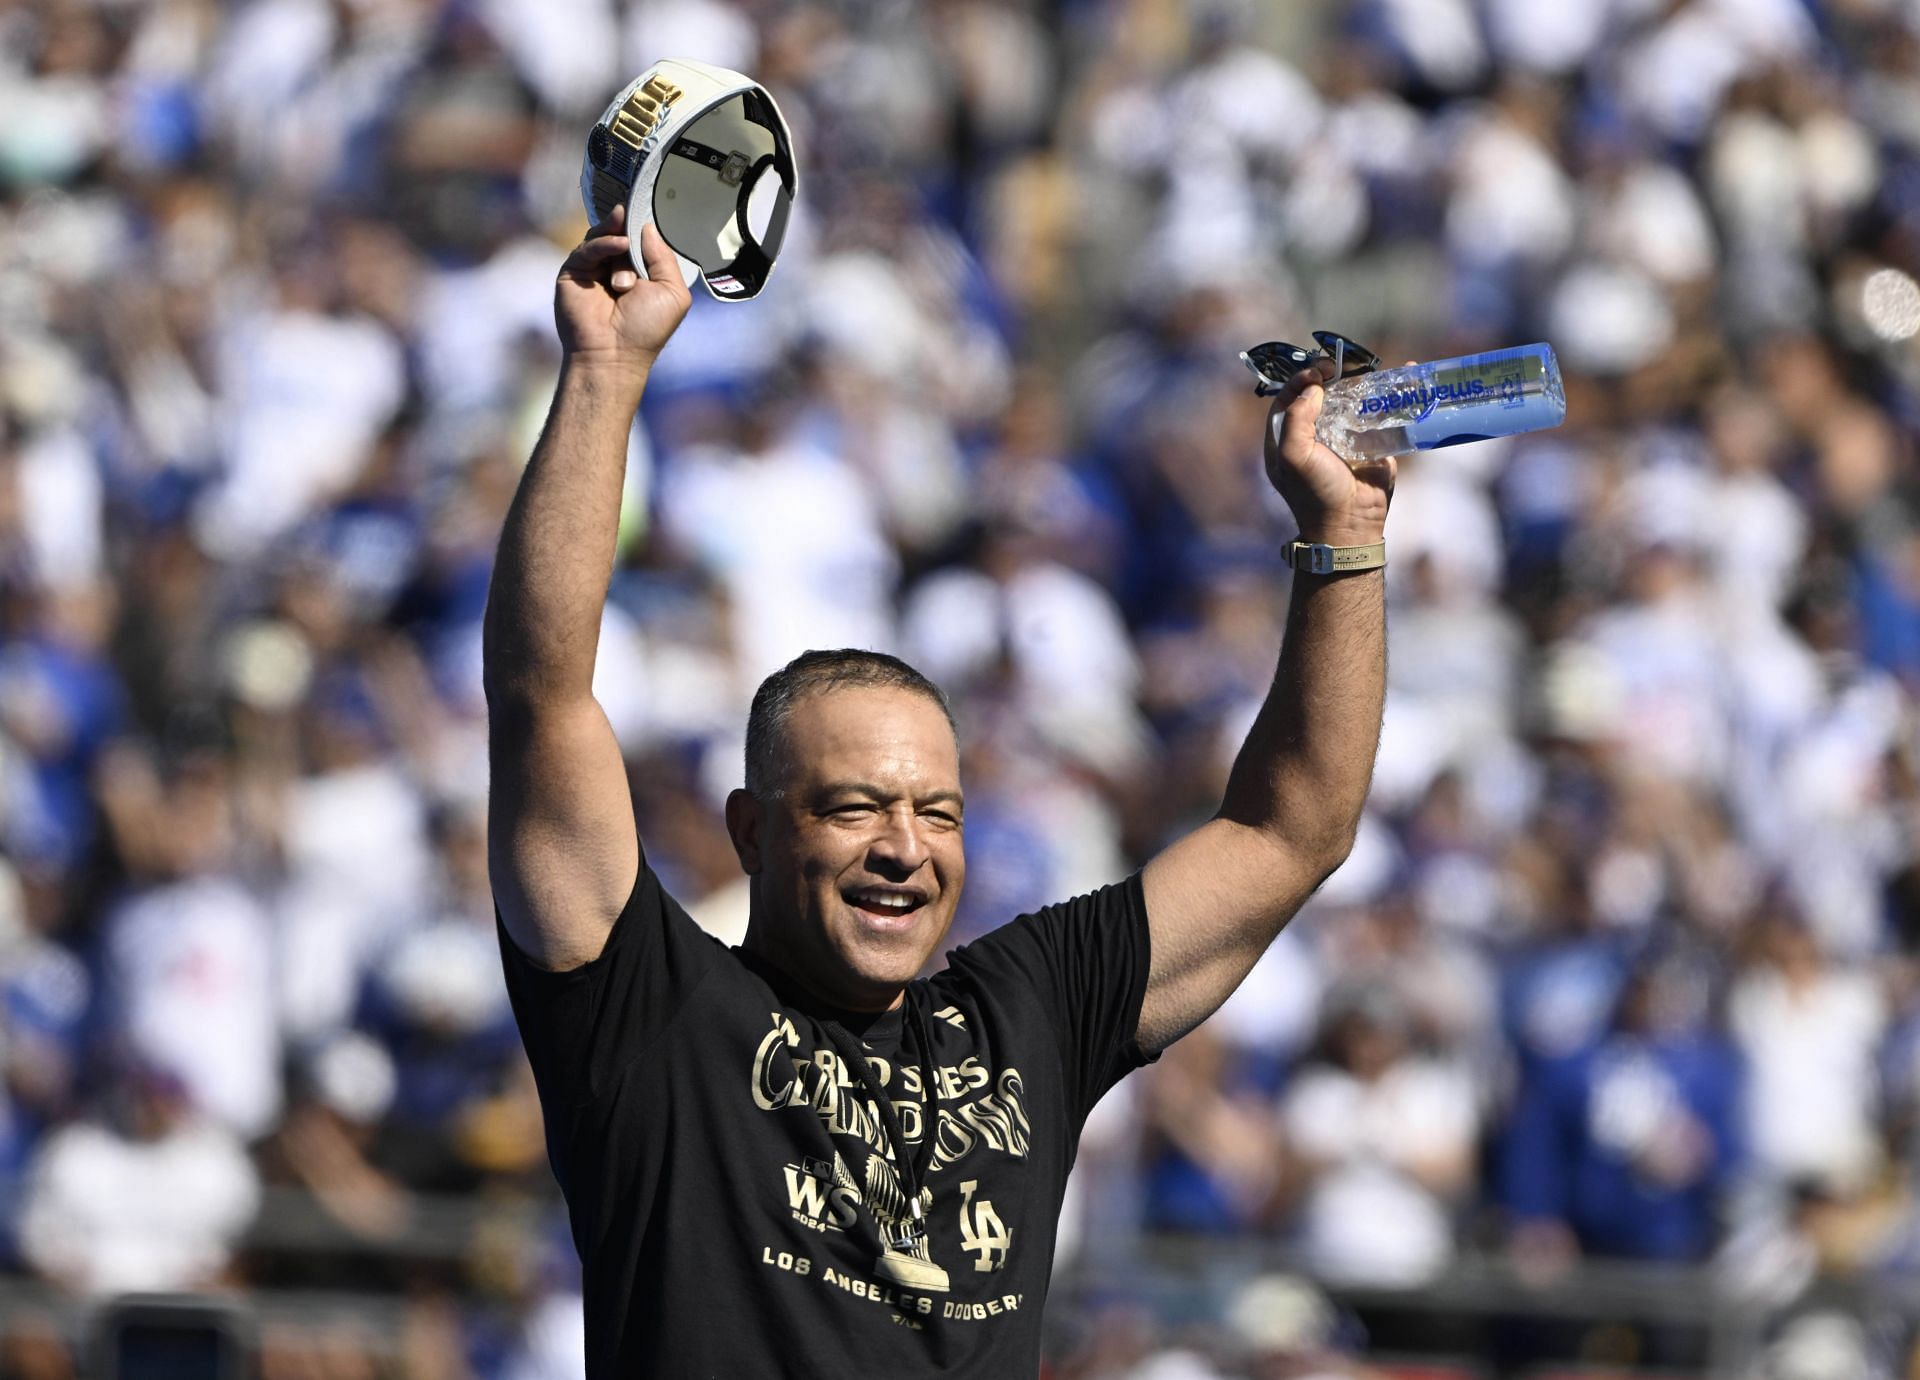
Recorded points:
(1276,361)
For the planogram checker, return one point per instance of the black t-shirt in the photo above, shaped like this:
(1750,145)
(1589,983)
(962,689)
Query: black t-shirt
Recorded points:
(730,1180)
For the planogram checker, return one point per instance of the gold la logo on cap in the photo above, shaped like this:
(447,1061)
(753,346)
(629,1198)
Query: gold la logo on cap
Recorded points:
(635,120)
(614,148)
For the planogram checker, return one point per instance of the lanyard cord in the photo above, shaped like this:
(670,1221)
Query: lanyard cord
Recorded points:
(912,1166)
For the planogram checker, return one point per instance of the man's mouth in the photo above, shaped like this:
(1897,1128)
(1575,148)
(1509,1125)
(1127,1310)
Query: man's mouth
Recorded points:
(886,902)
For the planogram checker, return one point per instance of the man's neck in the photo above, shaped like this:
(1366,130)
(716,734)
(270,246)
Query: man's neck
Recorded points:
(791,981)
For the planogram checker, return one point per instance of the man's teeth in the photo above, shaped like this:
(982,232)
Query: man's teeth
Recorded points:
(887,901)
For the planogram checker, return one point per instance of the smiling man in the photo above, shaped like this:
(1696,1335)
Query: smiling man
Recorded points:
(798,1157)
(853,807)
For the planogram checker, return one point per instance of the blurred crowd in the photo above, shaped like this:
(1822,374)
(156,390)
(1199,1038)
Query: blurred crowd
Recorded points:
(1626,964)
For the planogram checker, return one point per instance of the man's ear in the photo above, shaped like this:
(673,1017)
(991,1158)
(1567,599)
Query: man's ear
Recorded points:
(743,827)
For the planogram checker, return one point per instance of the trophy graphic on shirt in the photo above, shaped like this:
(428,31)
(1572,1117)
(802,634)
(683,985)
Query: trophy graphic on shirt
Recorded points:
(905,1257)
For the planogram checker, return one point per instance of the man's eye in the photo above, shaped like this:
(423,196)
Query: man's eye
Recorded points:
(853,809)
(942,818)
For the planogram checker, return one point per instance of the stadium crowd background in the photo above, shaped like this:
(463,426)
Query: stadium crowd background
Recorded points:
(1627,962)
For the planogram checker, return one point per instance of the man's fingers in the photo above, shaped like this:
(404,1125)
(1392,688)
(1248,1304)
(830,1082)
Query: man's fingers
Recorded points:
(1320,371)
(612,225)
(1296,422)
(663,265)
(1296,410)
(595,252)
(609,259)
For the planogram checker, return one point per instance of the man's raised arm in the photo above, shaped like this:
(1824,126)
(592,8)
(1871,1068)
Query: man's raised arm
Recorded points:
(1216,898)
(561,842)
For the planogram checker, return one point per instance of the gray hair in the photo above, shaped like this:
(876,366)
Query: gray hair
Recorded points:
(810,673)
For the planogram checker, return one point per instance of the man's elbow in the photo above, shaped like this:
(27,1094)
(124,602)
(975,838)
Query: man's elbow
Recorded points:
(520,700)
(1286,865)
(522,713)
(1318,855)
(1304,841)
(1339,847)
(517,681)
(511,694)
(523,673)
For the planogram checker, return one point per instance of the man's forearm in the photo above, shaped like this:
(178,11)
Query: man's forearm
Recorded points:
(1304,770)
(557,546)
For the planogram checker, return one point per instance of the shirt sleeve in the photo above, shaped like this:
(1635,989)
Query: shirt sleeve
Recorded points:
(1085,962)
(583,1027)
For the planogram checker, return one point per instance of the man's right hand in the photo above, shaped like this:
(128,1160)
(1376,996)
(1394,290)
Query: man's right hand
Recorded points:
(608,315)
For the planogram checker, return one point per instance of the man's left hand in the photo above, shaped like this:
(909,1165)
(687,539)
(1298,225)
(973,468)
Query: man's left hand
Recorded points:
(1334,502)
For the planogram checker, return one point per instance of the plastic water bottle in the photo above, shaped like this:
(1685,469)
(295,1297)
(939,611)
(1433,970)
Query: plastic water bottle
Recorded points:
(1443,403)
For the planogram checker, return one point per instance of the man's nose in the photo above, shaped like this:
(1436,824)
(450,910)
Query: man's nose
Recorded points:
(901,845)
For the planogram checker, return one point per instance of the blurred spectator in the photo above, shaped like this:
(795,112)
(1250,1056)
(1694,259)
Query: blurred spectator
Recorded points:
(1809,1030)
(150,1196)
(790,533)
(324,1140)
(1626,1149)
(1381,1138)
(437,1001)
(44,991)
(1213,1155)
(188,953)
(60,703)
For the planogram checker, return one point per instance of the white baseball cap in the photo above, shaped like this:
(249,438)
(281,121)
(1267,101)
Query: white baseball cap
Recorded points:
(704,154)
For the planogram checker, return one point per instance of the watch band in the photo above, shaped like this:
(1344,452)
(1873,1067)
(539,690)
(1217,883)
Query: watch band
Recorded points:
(1317,559)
